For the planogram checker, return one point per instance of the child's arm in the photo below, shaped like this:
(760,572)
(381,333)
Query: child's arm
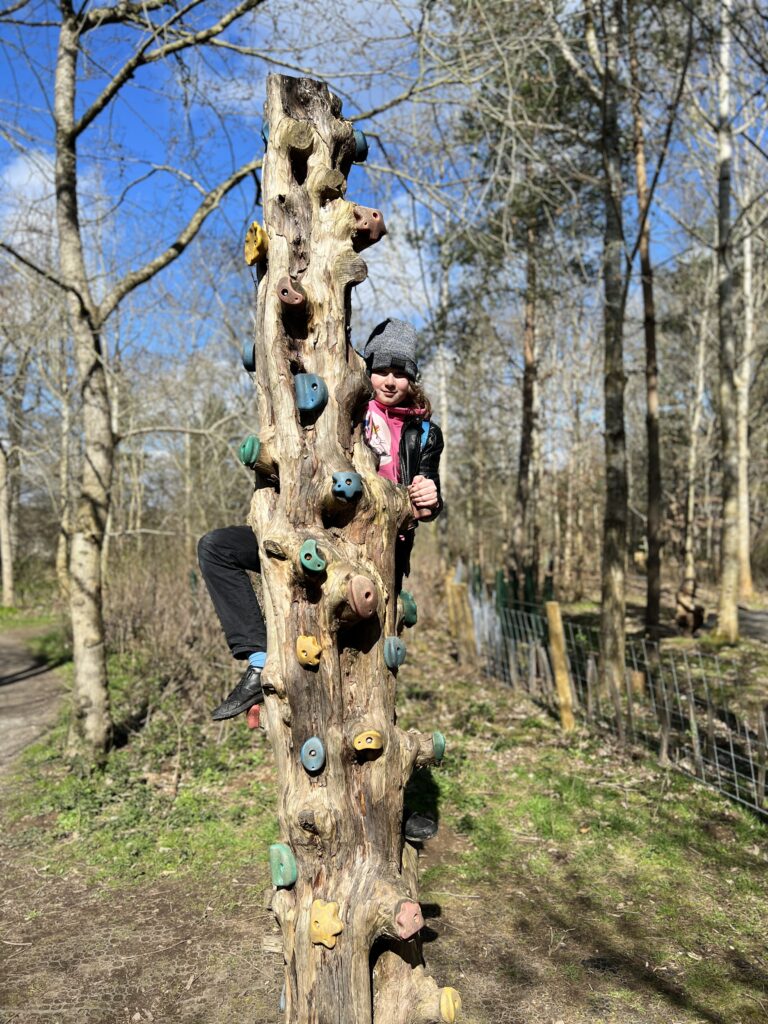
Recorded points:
(424,489)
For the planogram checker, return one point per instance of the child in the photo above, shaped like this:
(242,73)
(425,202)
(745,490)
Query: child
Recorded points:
(408,444)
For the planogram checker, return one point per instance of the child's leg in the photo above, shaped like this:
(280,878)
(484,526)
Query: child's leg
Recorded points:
(224,556)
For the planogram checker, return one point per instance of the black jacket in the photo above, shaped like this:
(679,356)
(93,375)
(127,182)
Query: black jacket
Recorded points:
(420,456)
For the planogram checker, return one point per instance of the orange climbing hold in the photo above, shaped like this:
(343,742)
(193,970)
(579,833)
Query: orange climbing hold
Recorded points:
(252,718)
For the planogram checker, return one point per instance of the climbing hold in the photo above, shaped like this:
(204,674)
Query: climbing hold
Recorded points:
(347,486)
(308,650)
(369,227)
(282,865)
(410,611)
(371,739)
(281,1004)
(362,597)
(313,754)
(249,355)
(311,392)
(450,1004)
(394,652)
(290,294)
(256,244)
(408,919)
(325,923)
(310,557)
(265,132)
(438,746)
(253,718)
(249,451)
(361,146)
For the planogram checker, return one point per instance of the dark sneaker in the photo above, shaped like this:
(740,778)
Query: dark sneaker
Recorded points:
(418,828)
(247,693)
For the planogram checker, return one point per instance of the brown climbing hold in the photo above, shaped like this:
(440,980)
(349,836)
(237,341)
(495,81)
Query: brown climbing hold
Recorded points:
(362,596)
(369,227)
(290,294)
(253,717)
(408,919)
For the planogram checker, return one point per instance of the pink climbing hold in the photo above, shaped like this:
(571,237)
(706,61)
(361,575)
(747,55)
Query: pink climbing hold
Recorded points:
(408,918)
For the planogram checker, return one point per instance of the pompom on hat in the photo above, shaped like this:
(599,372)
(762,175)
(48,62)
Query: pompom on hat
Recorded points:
(392,344)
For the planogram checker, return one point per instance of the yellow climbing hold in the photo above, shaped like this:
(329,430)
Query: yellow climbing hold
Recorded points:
(371,739)
(450,1004)
(325,923)
(308,650)
(256,244)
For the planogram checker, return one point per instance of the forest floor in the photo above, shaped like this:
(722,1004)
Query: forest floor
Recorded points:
(569,883)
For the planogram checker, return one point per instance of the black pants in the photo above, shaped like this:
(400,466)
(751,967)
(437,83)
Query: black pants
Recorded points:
(225,555)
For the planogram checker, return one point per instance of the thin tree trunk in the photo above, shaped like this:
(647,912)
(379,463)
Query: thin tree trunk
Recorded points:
(65,503)
(523,533)
(728,620)
(654,519)
(91,726)
(743,385)
(613,595)
(6,548)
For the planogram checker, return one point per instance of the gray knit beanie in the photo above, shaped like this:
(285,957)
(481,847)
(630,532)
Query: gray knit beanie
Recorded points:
(392,344)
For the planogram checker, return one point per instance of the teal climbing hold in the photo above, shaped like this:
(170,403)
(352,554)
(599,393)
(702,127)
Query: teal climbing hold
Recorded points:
(311,392)
(313,754)
(282,865)
(410,611)
(394,652)
(249,355)
(347,486)
(438,745)
(361,146)
(249,450)
(310,557)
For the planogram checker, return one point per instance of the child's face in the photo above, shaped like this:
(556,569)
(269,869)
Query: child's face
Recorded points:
(391,387)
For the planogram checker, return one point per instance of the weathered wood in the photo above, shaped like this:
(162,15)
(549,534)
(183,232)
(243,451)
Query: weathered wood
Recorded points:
(560,666)
(354,902)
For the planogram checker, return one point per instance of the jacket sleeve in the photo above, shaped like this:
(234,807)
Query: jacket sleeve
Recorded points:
(429,465)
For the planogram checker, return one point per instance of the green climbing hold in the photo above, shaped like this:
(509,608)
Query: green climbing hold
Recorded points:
(310,558)
(249,450)
(410,611)
(282,865)
(438,745)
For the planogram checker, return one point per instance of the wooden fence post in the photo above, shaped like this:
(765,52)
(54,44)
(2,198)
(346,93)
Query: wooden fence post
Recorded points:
(560,666)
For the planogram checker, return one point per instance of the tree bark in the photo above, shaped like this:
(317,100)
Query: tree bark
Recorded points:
(743,381)
(352,907)
(6,548)
(613,598)
(91,726)
(654,519)
(728,620)
(527,470)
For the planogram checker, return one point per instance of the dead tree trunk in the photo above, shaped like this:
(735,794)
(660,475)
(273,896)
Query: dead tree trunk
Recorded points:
(346,885)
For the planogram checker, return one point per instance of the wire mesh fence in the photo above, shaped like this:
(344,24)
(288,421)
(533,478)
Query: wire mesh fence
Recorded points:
(687,706)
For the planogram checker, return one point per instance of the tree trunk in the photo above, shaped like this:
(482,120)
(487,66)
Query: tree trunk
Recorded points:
(653,524)
(6,548)
(351,913)
(524,541)
(91,727)
(743,385)
(613,598)
(728,619)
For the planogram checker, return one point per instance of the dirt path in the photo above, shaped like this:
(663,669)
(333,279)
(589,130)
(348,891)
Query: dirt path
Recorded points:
(30,693)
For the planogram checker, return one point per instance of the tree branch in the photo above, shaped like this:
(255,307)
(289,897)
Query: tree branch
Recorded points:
(142,57)
(206,207)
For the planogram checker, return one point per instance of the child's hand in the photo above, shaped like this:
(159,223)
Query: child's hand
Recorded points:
(423,495)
